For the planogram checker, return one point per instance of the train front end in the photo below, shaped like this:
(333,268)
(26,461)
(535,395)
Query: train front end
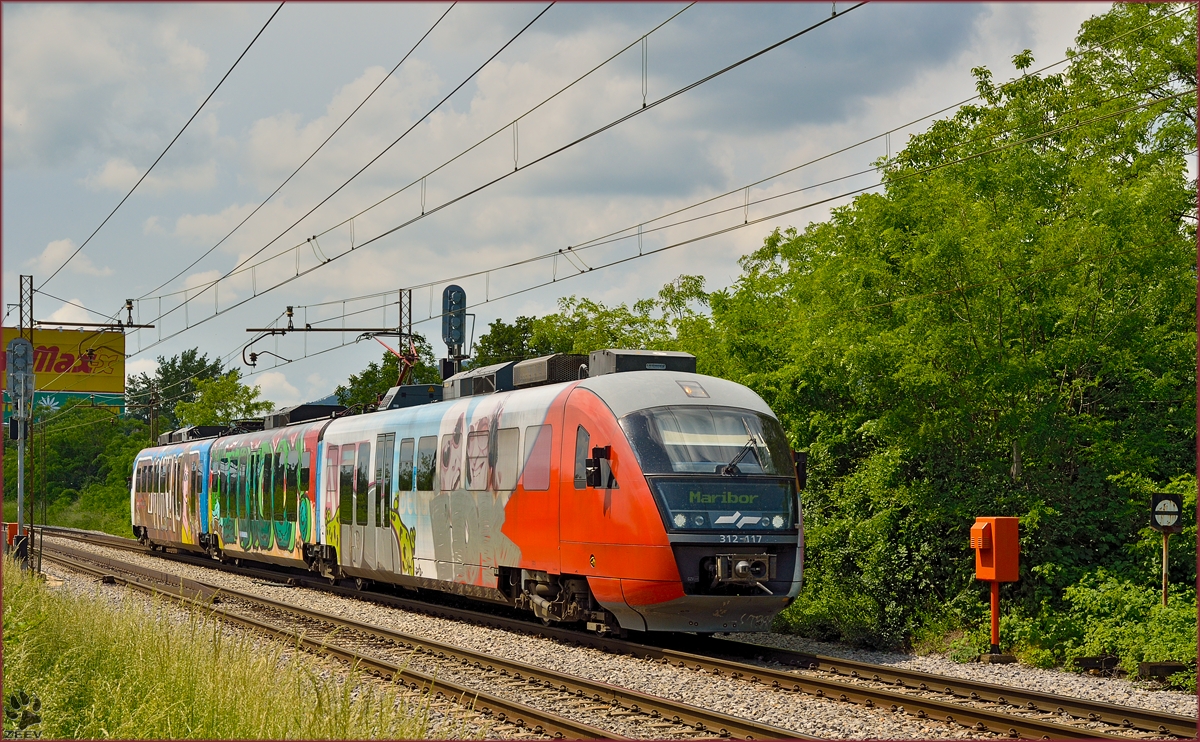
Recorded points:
(721,533)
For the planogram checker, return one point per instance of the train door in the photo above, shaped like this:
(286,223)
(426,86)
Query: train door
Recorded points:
(380,539)
(355,473)
(198,500)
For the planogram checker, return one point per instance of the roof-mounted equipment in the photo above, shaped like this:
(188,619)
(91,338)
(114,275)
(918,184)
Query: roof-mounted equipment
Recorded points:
(549,370)
(482,380)
(410,395)
(615,361)
(300,413)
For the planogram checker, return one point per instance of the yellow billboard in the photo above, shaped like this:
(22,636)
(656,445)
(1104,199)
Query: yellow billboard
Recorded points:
(76,360)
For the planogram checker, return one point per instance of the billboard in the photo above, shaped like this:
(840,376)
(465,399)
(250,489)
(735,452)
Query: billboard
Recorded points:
(76,360)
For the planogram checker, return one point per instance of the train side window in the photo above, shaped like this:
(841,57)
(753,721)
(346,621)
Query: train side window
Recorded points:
(346,488)
(361,484)
(477,460)
(149,495)
(536,475)
(451,452)
(278,485)
(582,441)
(331,477)
(305,474)
(291,483)
(426,463)
(243,487)
(507,448)
(197,480)
(404,475)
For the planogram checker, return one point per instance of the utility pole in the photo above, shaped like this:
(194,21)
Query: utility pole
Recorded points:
(20,387)
(153,413)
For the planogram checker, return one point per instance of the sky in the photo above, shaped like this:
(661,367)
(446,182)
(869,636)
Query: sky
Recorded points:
(92,95)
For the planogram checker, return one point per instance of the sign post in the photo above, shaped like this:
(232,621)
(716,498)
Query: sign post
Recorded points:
(1166,511)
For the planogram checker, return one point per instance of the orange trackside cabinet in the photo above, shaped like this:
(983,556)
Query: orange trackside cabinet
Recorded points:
(996,549)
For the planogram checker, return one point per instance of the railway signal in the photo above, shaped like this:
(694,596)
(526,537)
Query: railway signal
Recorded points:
(1166,517)
(997,552)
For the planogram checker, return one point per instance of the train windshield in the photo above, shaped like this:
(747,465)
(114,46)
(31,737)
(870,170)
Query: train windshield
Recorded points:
(697,439)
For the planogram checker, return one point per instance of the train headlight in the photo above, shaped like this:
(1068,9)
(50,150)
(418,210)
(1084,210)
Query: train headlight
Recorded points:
(777,521)
(680,520)
(698,520)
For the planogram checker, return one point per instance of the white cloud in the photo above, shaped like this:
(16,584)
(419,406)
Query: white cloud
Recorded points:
(119,174)
(211,227)
(57,252)
(70,312)
(152,227)
(140,366)
(275,387)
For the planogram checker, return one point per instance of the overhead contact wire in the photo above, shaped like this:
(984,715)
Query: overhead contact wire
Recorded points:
(307,159)
(164,152)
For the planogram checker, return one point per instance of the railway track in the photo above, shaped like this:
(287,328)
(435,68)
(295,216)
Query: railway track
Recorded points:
(370,647)
(980,706)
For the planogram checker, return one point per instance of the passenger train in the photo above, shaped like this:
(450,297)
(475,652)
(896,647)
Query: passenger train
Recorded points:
(642,497)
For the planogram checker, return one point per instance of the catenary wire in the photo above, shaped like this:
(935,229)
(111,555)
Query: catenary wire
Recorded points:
(286,180)
(164,152)
(1095,49)
(359,172)
(477,189)
(466,151)
(602,238)
(900,177)
(609,238)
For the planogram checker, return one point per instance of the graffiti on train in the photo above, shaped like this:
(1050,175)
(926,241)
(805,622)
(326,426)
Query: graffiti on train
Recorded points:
(260,499)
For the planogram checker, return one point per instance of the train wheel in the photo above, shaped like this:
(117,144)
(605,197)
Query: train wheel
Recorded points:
(361,583)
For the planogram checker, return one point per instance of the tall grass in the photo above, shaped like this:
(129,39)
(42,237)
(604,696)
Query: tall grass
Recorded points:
(130,671)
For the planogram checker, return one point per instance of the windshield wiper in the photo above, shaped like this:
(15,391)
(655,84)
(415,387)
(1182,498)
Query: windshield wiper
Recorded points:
(731,469)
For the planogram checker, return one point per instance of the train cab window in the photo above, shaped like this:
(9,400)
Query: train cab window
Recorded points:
(536,475)
(426,463)
(404,474)
(362,476)
(506,449)
(346,487)
(477,460)
(582,441)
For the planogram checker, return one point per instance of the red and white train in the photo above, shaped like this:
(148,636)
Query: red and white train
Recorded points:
(643,497)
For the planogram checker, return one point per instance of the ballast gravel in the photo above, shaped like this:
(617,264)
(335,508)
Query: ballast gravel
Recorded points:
(794,711)
(1142,694)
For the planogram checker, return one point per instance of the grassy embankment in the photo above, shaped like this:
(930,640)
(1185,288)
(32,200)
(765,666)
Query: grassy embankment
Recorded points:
(130,671)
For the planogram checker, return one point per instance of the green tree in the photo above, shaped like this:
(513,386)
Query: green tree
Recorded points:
(222,400)
(366,387)
(175,380)
(1009,328)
